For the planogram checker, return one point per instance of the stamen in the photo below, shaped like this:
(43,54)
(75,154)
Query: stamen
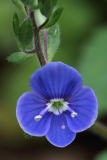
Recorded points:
(73,113)
(38,117)
(44,110)
(63,126)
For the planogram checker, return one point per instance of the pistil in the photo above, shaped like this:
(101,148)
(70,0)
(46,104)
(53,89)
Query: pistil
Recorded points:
(63,126)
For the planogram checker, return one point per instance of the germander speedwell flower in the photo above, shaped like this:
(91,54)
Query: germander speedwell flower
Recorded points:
(59,105)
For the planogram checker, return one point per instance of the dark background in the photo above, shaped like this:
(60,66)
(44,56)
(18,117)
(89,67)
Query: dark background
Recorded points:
(83,45)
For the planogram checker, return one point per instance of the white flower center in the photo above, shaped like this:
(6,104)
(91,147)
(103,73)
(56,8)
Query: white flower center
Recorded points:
(57,106)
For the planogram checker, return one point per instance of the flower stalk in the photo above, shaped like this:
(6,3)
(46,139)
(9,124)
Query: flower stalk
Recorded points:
(99,129)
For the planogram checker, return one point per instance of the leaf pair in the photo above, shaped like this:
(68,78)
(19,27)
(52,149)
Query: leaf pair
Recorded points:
(53,41)
(24,38)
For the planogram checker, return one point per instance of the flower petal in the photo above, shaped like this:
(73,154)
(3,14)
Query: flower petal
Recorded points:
(28,106)
(56,80)
(84,103)
(58,136)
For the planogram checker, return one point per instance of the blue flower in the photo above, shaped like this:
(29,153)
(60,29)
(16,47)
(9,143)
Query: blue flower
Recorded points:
(59,106)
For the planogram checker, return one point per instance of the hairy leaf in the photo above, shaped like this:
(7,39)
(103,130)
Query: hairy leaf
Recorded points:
(19,5)
(26,33)
(16,24)
(54,18)
(19,57)
(28,2)
(53,40)
(48,7)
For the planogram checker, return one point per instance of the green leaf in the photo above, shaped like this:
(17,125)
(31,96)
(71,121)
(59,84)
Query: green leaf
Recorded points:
(101,156)
(35,7)
(26,33)
(19,57)
(16,29)
(93,67)
(54,18)
(53,40)
(28,2)
(48,7)
(16,24)
(19,5)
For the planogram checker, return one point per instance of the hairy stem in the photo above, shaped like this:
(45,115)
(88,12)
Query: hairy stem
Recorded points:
(45,43)
(37,44)
(99,129)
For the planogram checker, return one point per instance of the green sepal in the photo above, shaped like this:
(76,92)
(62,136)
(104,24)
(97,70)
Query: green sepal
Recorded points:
(19,5)
(53,40)
(19,57)
(16,24)
(48,7)
(25,33)
(54,18)
(27,136)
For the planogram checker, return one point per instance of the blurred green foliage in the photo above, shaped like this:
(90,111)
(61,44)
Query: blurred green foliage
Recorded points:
(83,46)
(93,66)
(102,156)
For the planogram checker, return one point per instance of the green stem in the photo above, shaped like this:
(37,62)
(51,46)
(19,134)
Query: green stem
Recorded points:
(99,129)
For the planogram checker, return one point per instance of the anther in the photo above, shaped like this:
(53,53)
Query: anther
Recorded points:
(73,114)
(38,117)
